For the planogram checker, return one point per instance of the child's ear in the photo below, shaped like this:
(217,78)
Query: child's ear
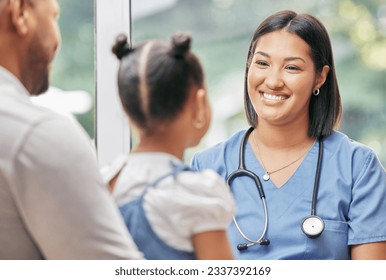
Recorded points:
(199,113)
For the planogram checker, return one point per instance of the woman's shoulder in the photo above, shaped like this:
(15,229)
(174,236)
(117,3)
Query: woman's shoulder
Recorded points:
(360,157)
(230,142)
(339,141)
(207,158)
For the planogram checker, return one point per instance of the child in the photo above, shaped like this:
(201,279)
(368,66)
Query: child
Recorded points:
(171,211)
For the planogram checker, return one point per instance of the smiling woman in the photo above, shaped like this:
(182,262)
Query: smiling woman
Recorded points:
(293,105)
(281,76)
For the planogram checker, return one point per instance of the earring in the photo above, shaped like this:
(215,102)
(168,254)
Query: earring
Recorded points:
(316,92)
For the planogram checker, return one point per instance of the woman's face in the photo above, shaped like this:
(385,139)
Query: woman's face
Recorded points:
(281,78)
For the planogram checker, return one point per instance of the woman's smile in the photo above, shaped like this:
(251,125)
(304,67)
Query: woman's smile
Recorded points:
(273,97)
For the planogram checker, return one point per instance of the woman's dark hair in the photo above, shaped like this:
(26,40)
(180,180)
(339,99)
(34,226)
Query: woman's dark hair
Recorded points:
(325,109)
(155,78)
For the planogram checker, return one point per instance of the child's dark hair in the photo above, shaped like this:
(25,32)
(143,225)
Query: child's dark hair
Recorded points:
(155,79)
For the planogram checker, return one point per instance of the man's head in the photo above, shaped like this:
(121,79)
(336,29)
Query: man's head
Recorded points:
(29,39)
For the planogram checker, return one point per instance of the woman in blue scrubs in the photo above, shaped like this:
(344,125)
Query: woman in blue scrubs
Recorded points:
(291,101)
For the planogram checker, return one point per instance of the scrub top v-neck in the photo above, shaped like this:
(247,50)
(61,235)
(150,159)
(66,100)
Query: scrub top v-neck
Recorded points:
(351,175)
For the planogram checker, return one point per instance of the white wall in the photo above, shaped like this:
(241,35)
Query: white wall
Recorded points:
(112,133)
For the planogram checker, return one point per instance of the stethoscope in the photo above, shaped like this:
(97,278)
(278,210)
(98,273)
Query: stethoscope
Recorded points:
(312,225)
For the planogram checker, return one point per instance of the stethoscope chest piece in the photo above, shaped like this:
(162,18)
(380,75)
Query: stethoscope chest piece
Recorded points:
(312,226)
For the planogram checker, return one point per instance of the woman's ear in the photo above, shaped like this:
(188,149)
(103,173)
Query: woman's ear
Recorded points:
(19,16)
(200,109)
(322,77)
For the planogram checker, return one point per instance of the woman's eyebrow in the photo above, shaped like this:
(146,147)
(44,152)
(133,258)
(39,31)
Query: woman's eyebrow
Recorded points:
(291,58)
(262,53)
(294,58)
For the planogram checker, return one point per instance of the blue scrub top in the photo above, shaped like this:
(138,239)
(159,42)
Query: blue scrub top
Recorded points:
(351,200)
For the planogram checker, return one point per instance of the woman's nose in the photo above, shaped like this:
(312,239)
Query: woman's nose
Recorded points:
(274,80)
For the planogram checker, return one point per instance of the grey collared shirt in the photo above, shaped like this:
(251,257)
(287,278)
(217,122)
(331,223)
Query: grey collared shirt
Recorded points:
(53,202)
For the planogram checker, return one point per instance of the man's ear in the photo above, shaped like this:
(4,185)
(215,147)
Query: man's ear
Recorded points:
(19,16)
(199,115)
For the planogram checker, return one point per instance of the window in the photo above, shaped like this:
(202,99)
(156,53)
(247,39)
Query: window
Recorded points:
(222,30)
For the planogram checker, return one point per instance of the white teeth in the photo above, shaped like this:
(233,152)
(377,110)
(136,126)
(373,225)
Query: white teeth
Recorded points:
(273,97)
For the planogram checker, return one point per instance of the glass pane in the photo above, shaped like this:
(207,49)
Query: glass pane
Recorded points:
(73,67)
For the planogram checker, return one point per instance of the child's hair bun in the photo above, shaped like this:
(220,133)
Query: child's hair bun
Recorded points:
(180,44)
(121,46)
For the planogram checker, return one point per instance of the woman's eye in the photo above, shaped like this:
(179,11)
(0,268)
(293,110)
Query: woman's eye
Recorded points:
(292,67)
(261,63)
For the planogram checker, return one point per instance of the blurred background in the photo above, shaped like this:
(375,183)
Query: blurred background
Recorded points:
(222,30)
(73,68)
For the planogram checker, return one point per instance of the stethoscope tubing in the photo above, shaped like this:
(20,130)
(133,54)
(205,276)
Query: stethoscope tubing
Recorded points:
(262,237)
(242,171)
(317,177)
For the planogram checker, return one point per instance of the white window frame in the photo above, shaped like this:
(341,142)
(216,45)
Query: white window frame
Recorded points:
(112,131)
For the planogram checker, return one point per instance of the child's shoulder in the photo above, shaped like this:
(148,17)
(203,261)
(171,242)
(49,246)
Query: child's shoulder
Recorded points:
(203,193)
(206,184)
